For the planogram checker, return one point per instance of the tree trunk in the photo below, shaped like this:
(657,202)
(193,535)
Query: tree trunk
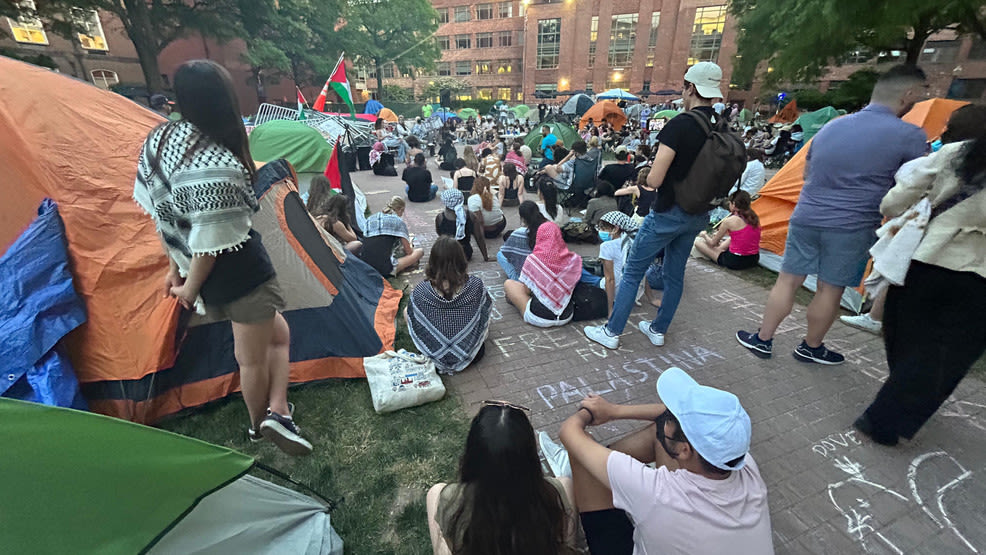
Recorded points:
(379,66)
(145,40)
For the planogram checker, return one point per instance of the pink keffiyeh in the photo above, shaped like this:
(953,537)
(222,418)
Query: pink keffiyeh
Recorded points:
(378,149)
(551,270)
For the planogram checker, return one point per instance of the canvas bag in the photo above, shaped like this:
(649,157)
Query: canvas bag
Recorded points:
(400,379)
(718,166)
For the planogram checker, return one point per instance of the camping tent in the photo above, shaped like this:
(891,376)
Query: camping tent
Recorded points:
(665,114)
(616,94)
(520,110)
(577,105)
(932,115)
(607,111)
(85,483)
(564,132)
(303,146)
(467,113)
(812,122)
(139,356)
(387,114)
(788,114)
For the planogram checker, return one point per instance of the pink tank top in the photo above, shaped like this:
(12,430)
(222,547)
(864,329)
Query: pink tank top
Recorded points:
(745,242)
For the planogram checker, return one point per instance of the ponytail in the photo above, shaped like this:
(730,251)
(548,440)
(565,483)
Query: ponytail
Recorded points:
(396,203)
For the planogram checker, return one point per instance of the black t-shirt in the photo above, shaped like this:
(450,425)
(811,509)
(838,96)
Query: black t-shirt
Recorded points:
(686,137)
(237,273)
(418,181)
(616,174)
(377,252)
(446,226)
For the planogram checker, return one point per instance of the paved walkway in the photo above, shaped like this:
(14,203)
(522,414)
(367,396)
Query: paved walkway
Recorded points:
(830,490)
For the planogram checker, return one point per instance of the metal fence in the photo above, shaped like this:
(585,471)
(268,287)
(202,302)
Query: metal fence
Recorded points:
(333,128)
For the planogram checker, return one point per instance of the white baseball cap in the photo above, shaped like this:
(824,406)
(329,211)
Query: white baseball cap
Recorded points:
(707,78)
(713,420)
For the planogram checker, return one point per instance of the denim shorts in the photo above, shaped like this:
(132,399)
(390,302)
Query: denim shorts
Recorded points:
(836,256)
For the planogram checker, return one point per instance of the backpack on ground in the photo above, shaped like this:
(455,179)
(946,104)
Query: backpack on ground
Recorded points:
(590,302)
(719,164)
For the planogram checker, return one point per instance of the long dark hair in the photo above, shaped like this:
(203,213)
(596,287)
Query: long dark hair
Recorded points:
(319,191)
(549,192)
(447,264)
(972,169)
(741,202)
(507,505)
(510,170)
(532,217)
(204,91)
(337,210)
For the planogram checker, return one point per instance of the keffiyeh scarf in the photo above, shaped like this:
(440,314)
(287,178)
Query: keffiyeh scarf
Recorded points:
(551,271)
(449,331)
(453,200)
(201,200)
(375,154)
(515,248)
(386,224)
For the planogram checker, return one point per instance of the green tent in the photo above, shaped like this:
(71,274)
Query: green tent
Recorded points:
(78,482)
(467,113)
(521,110)
(304,147)
(812,122)
(664,114)
(564,132)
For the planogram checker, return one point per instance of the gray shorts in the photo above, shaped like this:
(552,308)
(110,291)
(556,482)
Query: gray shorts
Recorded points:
(256,306)
(836,256)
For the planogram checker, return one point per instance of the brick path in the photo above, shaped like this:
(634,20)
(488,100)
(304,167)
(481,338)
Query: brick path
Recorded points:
(830,490)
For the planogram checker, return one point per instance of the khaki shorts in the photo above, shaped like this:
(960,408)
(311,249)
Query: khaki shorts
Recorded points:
(256,306)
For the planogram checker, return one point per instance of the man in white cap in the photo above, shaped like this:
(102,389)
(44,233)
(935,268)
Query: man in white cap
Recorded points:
(705,495)
(667,226)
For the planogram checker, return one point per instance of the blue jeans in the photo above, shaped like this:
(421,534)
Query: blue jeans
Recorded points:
(590,278)
(508,269)
(431,195)
(674,231)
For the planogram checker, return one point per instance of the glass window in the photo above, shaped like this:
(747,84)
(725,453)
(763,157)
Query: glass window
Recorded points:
(655,21)
(104,78)
(646,85)
(484,11)
(388,71)
(463,41)
(504,93)
(940,51)
(442,15)
(505,9)
(463,67)
(443,42)
(506,66)
(617,83)
(462,14)
(486,94)
(549,43)
(25,28)
(546,87)
(444,68)
(90,30)
(967,89)
(504,38)
(588,87)
(520,38)
(622,36)
(520,95)
(593,37)
(707,34)
(484,40)
(484,67)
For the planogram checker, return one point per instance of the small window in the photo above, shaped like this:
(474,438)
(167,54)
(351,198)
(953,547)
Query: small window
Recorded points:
(505,9)
(462,14)
(504,38)
(444,43)
(90,32)
(462,42)
(388,71)
(484,11)
(463,68)
(486,94)
(27,29)
(940,52)
(484,40)
(503,93)
(104,78)
(484,67)
(588,87)
(442,15)
(504,67)
(444,68)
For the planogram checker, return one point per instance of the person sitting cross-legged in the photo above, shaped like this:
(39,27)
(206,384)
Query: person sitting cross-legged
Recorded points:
(705,495)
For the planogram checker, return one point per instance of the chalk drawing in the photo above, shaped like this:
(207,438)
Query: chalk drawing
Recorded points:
(753,311)
(939,493)
(833,443)
(853,503)
(966,410)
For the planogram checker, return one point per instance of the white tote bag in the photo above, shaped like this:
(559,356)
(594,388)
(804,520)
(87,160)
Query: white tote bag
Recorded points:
(399,380)
(898,239)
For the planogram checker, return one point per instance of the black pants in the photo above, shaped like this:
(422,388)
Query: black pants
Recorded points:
(934,331)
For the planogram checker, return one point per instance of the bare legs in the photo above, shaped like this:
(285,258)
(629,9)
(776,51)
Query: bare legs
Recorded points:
(779,303)
(408,261)
(711,252)
(261,350)
(517,294)
(822,310)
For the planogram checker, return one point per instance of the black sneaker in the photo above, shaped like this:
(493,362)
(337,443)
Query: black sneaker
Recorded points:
(256,437)
(760,347)
(819,354)
(285,434)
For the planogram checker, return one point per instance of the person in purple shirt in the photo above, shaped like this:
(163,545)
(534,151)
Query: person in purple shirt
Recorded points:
(850,167)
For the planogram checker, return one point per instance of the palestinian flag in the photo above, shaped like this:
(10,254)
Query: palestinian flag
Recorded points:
(332,171)
(301,104)
(340,85)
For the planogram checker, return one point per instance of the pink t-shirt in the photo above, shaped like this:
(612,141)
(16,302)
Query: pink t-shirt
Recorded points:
(683,512)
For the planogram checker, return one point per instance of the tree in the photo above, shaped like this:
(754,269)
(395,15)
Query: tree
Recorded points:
(799,39)
(392,31)
(150,25)
(453,85)
(397,93)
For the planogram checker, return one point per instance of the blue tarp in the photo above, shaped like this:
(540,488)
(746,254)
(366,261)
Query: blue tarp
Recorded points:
(38,307)
(372,107)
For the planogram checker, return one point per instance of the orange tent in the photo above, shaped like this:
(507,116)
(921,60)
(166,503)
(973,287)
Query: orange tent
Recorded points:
(387,114)
(932,115)
(608,111)
(788,114)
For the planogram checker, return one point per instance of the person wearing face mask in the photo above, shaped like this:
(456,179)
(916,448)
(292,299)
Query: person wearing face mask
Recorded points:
(615,230)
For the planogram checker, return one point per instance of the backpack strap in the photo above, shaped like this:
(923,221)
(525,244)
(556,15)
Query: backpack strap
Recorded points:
(703,121)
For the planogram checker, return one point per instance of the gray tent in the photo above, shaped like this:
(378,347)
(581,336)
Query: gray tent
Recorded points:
(577,105)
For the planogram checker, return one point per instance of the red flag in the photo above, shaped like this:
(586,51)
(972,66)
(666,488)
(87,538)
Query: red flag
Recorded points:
(332,172)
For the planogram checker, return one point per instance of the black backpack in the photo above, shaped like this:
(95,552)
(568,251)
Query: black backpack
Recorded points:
(718,166)
(590,302)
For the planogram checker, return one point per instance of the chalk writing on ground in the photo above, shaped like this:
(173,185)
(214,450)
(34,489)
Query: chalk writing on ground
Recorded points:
(753,311)
(833,443)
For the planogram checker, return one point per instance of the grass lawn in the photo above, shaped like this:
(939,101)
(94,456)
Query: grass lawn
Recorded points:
(380,465)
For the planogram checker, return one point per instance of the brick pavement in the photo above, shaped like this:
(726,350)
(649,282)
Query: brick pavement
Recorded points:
(830,490)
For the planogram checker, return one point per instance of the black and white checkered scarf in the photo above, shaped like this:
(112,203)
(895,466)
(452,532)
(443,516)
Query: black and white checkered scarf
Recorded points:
(450,331)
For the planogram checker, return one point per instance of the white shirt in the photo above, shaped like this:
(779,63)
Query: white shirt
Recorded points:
(559,220)
(683,512)
(616,251)
(753,177)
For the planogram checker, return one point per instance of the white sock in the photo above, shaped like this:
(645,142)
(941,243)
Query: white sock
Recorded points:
(556,455)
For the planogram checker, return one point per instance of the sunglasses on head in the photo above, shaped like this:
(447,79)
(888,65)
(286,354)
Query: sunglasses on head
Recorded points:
(496,403)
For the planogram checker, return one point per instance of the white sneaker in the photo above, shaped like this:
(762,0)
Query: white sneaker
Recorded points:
(863,322)
(601,336)
(656,338)
(556,455)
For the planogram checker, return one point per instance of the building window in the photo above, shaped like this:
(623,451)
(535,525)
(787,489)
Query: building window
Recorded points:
(504,38)
(646,85)
(546,87)
(462,14)
(593,37)
(521,12)
(520,95)
(484,11)
(520,38)
(505,9)
(978,50)
(707,34)
(486,94)
(549,43)
(104,78)
(655,21)
(940,51)
(462,41)
(25,28)
(442,15)
(388,71)
(622,36)
(444,68)
(484,40)
(90,30)
(463,68)
(617,81)
(504,93)
(967,89)
(588,87)
(443,42)
(484,67)
(505,66)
